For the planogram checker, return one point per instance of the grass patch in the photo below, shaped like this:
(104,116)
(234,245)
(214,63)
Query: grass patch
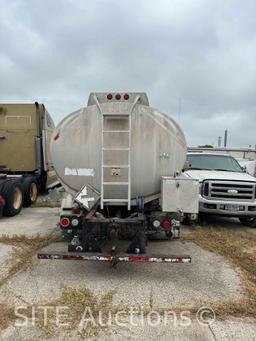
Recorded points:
(47,203)
(21,258)
(44,200)
(27,247)
(238,247)
(76,303)
(7,316)
(151,300)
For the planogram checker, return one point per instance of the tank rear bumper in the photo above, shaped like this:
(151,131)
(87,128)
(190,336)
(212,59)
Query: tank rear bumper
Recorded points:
(104,239)
(114,259)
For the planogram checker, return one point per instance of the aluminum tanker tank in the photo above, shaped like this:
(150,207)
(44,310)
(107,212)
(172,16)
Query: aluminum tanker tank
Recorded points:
(119,146)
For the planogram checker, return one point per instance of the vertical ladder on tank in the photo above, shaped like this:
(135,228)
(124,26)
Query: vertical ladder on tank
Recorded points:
(127,149)
(127,120)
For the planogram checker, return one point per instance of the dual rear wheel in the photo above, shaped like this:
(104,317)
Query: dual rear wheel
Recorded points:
(18,193)
(30,187)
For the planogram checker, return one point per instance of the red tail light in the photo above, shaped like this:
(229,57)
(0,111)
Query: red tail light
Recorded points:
(2,201)
(118,97)
(56,137)
(109,97)
(166,224)
(64,222)
(126,97)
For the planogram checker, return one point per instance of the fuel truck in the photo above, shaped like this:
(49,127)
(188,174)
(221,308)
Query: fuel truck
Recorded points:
(120,162)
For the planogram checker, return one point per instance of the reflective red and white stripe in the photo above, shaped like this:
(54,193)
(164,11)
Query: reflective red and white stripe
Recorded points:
(116,258)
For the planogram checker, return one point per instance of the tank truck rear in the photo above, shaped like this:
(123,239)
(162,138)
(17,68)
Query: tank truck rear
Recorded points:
(120,162)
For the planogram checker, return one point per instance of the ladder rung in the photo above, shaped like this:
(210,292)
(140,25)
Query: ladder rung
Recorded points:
(118,115)
(115,166)
(124,129)
(115,200)
(116,148)
(116,131)
(115,183)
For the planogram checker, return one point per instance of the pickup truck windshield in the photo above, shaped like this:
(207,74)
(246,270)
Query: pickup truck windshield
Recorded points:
(213,162)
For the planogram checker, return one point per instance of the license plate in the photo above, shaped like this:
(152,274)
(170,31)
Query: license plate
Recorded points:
(232,208)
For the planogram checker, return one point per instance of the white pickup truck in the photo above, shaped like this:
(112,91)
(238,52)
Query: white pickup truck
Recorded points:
(225,188)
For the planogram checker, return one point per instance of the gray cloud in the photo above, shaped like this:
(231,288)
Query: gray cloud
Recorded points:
(201,51)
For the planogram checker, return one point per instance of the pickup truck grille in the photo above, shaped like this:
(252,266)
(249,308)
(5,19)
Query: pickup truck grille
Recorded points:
(229,190)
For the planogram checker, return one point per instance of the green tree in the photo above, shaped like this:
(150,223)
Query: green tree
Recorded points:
(206,146)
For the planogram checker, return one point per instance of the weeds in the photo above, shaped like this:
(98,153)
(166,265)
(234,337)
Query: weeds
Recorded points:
(6,315)
(151,300)
(47,203)
(21,258)
(76,301)
(25,249)
(238,247)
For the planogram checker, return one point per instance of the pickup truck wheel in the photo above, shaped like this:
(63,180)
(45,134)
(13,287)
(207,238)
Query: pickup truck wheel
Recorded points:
(251,222)
(30,187)
(202,218)
(12,193)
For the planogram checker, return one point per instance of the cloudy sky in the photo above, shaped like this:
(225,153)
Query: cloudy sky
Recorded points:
(201,53)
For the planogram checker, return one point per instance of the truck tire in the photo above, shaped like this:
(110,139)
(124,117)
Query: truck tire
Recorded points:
(30,188)
(251,222)
(12,193)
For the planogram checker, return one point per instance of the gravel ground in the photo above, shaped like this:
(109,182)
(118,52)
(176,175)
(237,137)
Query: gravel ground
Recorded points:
(168,284)
(30,222)
(6,252)
(208,279)
(235,330)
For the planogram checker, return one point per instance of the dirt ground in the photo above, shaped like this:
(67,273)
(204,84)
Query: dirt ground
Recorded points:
(213,298)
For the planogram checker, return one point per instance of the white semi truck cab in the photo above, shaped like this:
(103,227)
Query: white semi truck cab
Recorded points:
(225,188)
